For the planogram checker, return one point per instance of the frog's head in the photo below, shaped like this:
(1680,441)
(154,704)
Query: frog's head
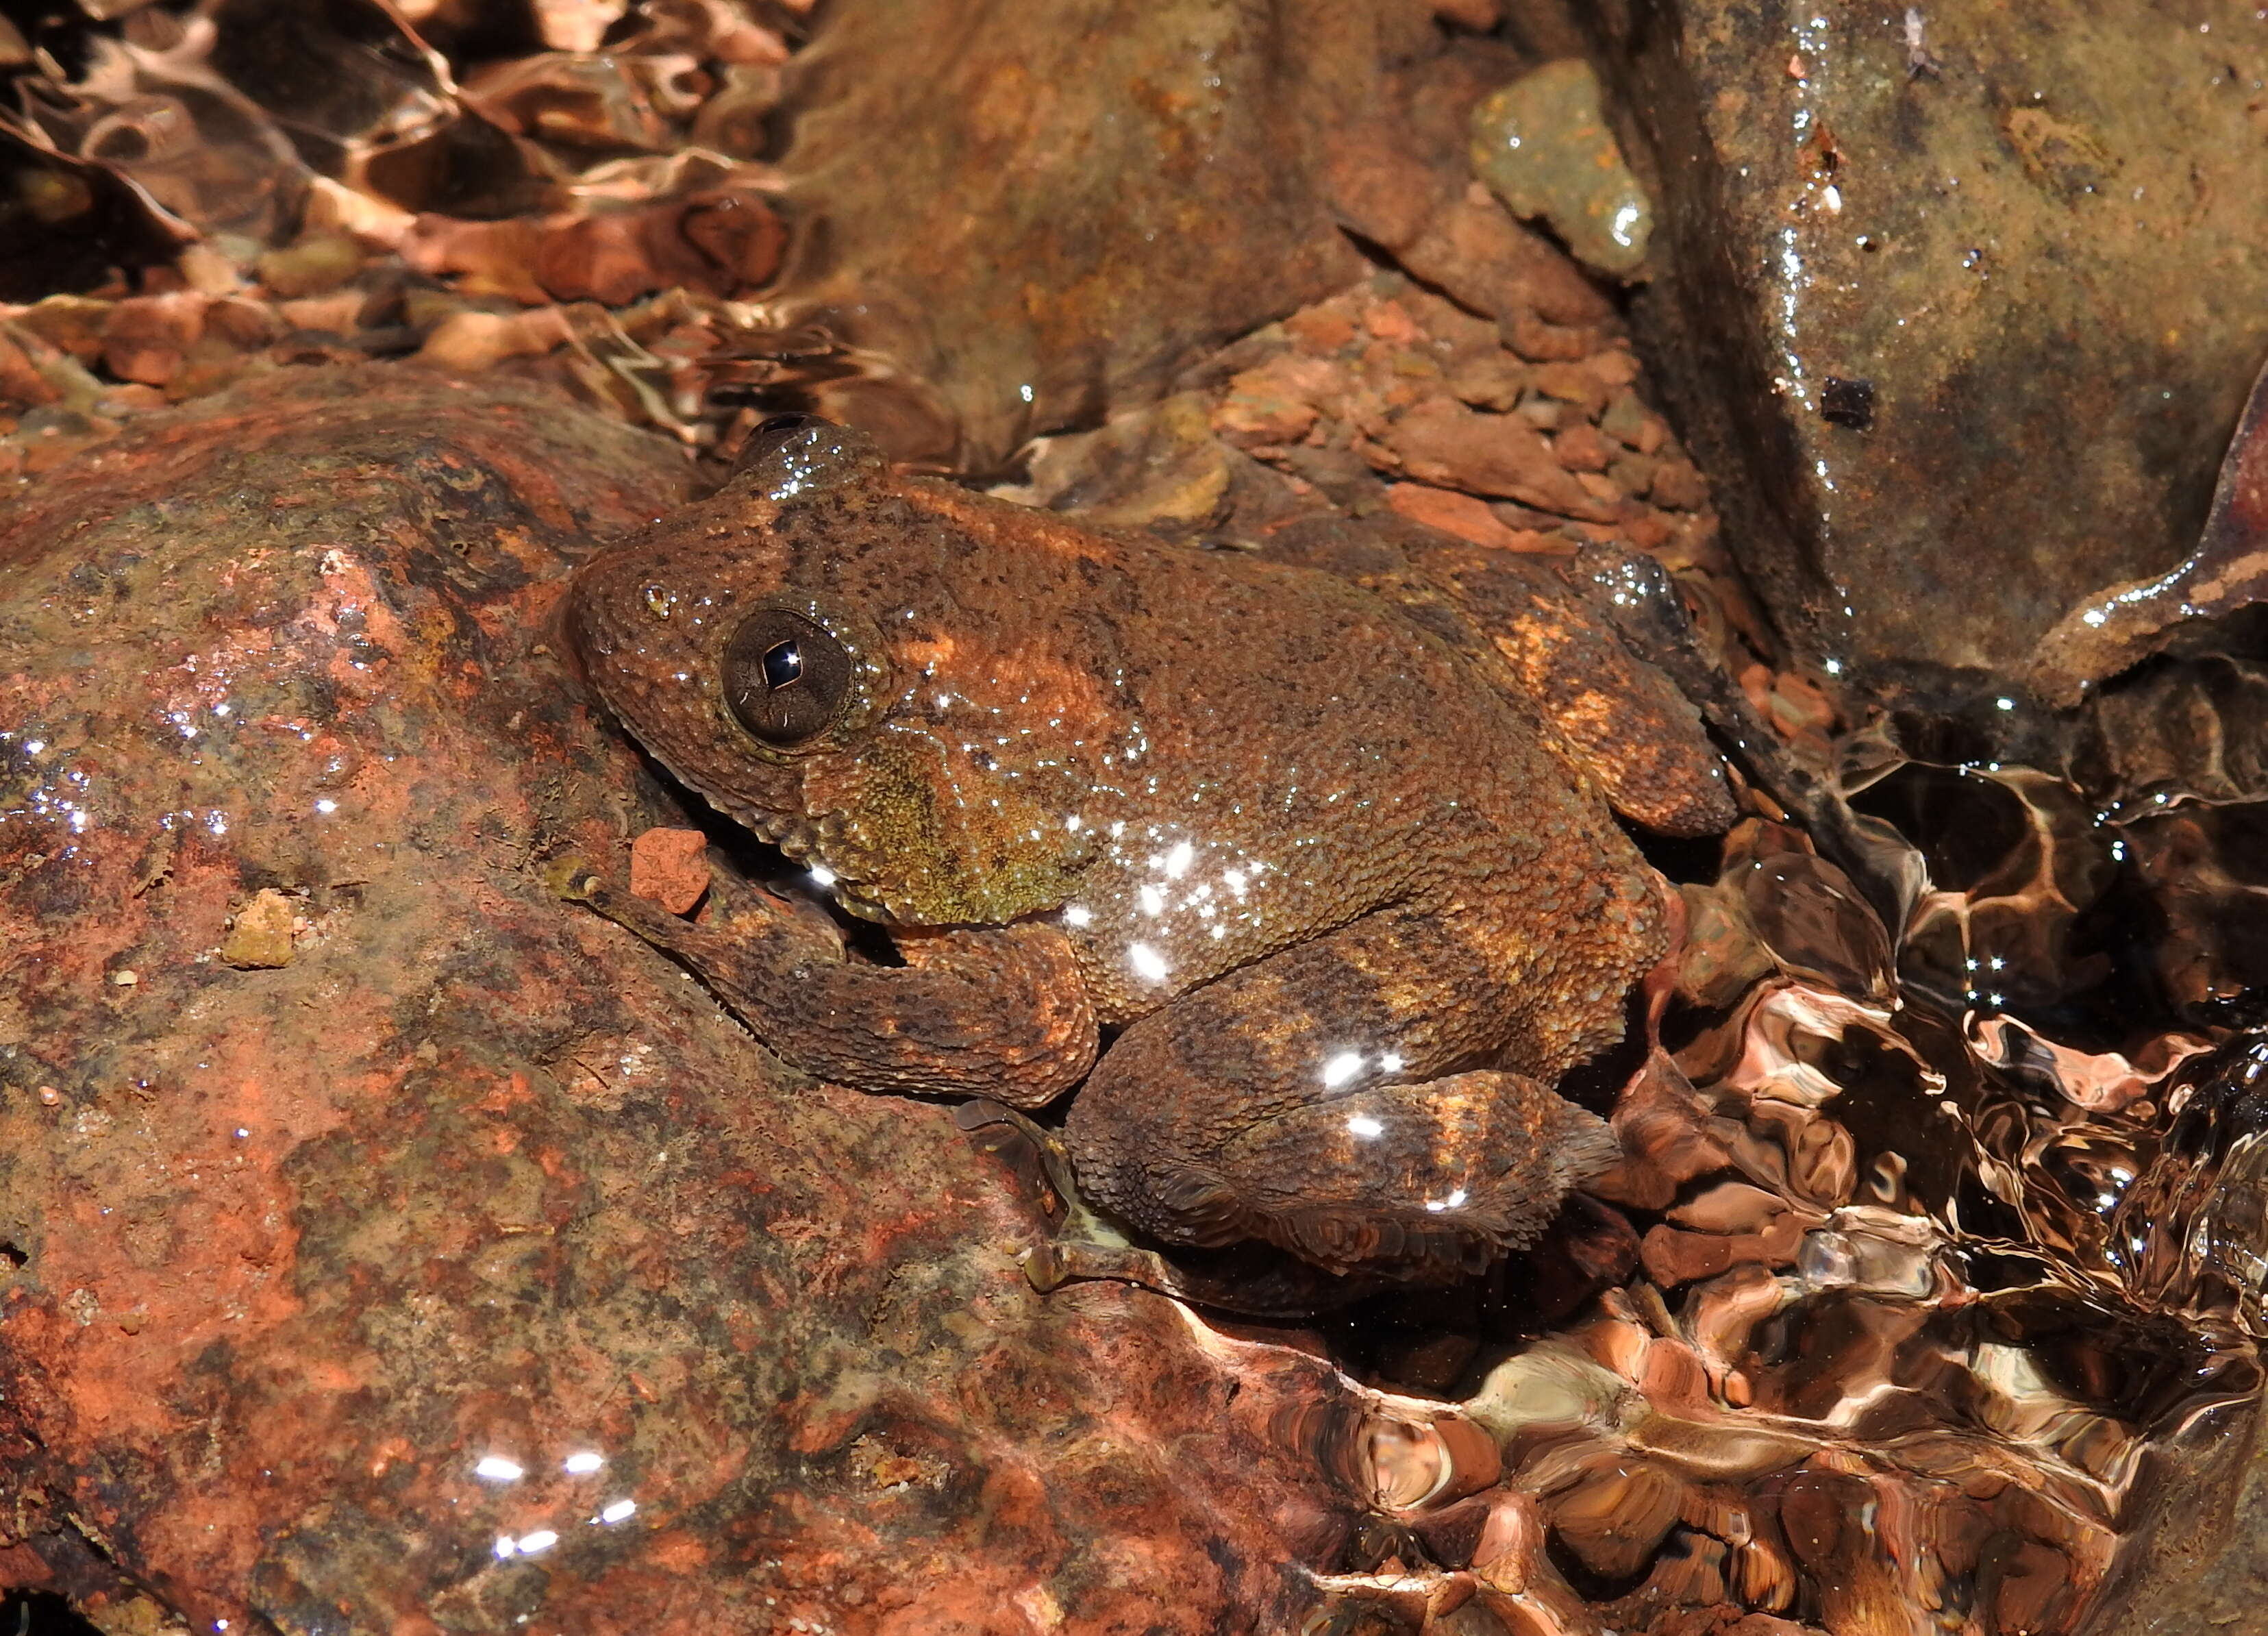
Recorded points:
(896,683)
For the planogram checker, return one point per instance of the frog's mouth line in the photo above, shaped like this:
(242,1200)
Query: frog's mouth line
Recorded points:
(783,855)
(801,848)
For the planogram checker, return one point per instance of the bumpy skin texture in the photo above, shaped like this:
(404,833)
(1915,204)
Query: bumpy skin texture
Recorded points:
(1352,905)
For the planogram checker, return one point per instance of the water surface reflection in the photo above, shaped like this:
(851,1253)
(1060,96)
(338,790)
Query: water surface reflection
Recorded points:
(1949,1260)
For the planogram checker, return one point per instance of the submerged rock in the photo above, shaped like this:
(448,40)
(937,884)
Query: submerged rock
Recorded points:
(1960,305)
(1042,226)
(449,1260)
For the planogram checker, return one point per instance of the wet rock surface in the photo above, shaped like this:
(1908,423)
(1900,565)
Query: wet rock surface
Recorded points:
(1962,302)
(2224,576)
(532,1296)
(385,1244)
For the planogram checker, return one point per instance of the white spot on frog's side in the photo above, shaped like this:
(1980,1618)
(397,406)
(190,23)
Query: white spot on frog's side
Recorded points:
(621,1511)
(542,1539)
(1148,963)
(821,876)
(1362,1125)
(496,1468)
(1341,1068)
(587,1461)
(1078,915)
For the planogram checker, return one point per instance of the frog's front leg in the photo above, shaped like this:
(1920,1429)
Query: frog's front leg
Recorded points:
(1002,1012)
(1314,1100)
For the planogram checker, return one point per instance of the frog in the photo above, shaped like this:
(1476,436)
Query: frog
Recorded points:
(1298,870)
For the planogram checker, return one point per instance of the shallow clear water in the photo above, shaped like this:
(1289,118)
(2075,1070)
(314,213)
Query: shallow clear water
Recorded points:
(1949,1247)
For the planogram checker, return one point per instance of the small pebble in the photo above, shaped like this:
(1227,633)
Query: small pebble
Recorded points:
(259,939)
(1544,146)
(670,867)
(318,264)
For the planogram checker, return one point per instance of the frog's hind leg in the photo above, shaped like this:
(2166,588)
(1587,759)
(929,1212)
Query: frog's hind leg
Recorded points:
(1432,1179)
(1321,1100)
(1623,720)
(1252,1279)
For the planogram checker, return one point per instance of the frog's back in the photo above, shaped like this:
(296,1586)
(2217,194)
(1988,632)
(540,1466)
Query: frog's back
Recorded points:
(1308,754)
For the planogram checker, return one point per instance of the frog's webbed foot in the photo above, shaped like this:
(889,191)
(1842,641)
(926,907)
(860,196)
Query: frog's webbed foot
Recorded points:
(1042,1163)
(1081,1245)
(1253,1280)
(1635,593)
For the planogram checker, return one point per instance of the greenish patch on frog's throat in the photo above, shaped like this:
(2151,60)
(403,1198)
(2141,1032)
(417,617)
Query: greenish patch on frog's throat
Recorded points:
(921,867)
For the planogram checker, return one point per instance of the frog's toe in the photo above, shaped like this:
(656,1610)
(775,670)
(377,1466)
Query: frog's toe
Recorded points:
(575,881)
(572,879)
(1434,1250)
(1043,1165)
(1053,1263)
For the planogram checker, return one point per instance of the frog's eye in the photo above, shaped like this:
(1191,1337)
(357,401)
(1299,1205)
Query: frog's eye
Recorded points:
(785,678)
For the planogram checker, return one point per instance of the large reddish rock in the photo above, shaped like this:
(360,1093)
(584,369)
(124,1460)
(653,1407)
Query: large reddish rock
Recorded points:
(387,1245)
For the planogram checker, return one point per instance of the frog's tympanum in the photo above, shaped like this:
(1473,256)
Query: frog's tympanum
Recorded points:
(1314,852)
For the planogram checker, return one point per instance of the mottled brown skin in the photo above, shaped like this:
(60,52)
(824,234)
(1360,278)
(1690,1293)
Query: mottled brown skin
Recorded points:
(1352,907)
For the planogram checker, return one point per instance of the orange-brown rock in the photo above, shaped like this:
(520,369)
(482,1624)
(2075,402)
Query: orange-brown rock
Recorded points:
(470,1270)
(1441,441)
